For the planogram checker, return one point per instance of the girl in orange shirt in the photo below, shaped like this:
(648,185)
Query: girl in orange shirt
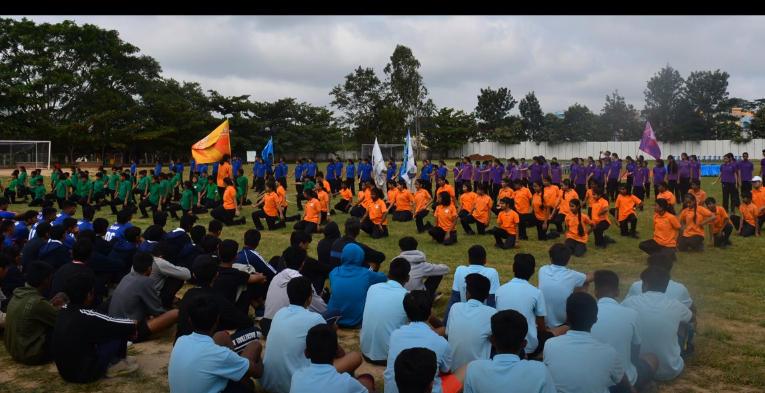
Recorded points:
(403,203)
(506,191)
(565,195)
(466,200)
(663,193)
(693,218)
(746,225)
(599,217)
(522,201)
(701,195)
(576,236)
(224,172)
(443,185)
(272,209)
(359,208)
(228,210)
(506,231)
(422,200)
(391,198)
(323,197)
(375,221)
(543,202)
(479,214)
(347,196)
(665,227)
(310,222)
(445,230)
(624,211)
(721,227)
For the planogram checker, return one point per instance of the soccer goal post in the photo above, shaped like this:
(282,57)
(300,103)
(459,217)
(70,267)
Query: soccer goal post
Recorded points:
(388,151)
(29,154)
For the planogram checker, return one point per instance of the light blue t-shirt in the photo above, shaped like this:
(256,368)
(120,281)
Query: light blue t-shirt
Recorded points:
(579,363)
(557,283)
(618,327)
(417,335)
(463,271)
(197,364)
(675,290)
(468,329)
(659,318)
(383,314)
(286,345)
(528,300)
(324,378)
(508,372)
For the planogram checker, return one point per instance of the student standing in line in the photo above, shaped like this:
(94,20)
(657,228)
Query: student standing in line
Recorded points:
(665,229)
(672,177)
(695,167)
(659,175)
(684,172)
(745,171)
(580,183)
(614,172)
(730,180)
(350,176)
(629,170)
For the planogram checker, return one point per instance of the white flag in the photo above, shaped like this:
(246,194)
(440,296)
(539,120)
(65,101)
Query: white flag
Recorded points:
(409,166)
(378,166)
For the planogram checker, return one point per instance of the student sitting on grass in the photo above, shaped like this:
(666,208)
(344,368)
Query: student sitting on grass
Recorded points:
(124,250)
(721,226)
(415,369)
(31,250)
(21,229)
(599,216)
(312,216)
(384,313)
(402,203)
(747,224)
(422,275)
(350,283)
(271,209)
(469,324)
(168,278)
(87,344)
(54,252)
(557,282)
(346,199)
(445,229)
(477,264)
(576,235)
(508,330)
(578,362)
(372,258)
(287,341)
(618,326)
(236,285)
(375,220)
(659,317)
(205,360)
(665,227)
(693,218)
(506,233)
(136,298)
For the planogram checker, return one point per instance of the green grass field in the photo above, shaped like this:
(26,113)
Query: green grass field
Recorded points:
(726,286)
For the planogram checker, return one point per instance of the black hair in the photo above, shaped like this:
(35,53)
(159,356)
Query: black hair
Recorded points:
(29,214)
(294,257)
(524,265)
(57,232)
(311,194)
(123,216)
(204,270)
(415,369)
(197,233)
(478,286)
(68,204)
(417,305)
(142,261)
(399,269)
(153,233)
(560,254)
(37,272)
(209,244)
(747,195)
(606,281)
(203,312)
(696,182)
(227,250)
(188,221)
(88,212)
(43,229)
(662,203)
(215,226)
(655,279)
(132,234)
(661,260)
(78,287)
(582,311)
(477,255)
(160,218)
(300,237)
(82,250)
(69,223)
(163,250)
(469,187)
(252,238)
(48,211)
(541,192)
(711,200)
(321,343)
(352,226)
(446,199)
(299,289)
(509,328)
(7,225)
(407,243)
(100,225)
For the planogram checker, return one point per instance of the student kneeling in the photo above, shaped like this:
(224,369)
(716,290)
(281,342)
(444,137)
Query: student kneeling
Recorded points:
(375,220)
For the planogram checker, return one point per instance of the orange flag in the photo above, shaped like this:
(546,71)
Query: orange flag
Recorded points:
(212,148)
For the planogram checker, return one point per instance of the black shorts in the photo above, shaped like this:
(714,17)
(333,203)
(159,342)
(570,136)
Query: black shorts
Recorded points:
(645,373)
(143,331)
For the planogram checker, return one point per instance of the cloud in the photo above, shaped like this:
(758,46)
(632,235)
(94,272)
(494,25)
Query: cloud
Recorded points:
(563,59)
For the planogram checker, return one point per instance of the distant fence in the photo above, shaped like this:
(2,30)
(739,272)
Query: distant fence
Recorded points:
(713,149)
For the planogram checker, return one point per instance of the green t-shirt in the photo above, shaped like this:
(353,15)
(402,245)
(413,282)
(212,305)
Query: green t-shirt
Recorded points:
(39,192)
(165,187)
(199,187)
(212,191)
(84,187)
(22,178)
(175,180)
(124,190)
(98,186)
(54,178)
(61,188)
(186,199)
(155,190)
(143,183)
(241,181)
(309,185)
(13,185)
(113,180)
(73,180)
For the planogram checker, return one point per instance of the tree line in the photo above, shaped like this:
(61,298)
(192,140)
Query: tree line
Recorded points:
(88,91)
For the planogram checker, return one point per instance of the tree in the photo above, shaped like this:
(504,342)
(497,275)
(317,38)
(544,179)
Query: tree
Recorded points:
(359,98)
(407,86)
(706,91)
(512,133)
(494,108)
(687,124)
(618,117)
(448,129)
(579,124)
(663,94)
(756,127)
(531,115)
(551,129)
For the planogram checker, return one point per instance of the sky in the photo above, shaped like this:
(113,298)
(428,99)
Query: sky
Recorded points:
(563,59)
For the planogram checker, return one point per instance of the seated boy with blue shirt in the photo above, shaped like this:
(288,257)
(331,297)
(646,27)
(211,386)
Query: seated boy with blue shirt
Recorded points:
(205,361)
(321,376)
(558,282)
(469,328)
(618,327)
(658,319)
(285,354)
(477,258)
(350,283)
(579,363)
(509,330)
(384,313)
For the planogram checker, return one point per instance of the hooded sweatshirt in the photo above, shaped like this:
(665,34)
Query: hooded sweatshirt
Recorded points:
(147,246)
(278,299)
(177,239)
(55,254)
(420,269)
(162,269)
(187,256)
(350,283)
(324,248)
(29,316)
(124,251)
(31,251)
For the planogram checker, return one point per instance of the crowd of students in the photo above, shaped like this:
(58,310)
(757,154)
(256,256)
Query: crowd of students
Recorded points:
(78,292)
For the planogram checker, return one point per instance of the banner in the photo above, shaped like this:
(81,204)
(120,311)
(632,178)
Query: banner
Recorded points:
(409,166)
(378,166)
(649,144)
(269,149)
(212,148)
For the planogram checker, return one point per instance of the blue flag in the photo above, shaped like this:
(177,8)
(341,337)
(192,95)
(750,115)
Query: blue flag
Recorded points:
(269,149)
(409,166)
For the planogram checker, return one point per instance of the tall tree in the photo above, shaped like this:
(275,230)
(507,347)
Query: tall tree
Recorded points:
(618,117)
(407,85)
(579,124)
(359,98)
(706,91)
(448,129)
(551,129)
(531,115)
(663,94)
(493,108)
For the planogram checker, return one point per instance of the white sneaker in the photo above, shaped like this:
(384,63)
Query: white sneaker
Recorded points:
(129,344)
(131,359)
(121,368)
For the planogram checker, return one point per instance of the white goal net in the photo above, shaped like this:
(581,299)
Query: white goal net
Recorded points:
(388,151)
(29,154)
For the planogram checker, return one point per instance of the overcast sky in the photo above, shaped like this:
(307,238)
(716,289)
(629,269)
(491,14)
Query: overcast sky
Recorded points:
(563,59)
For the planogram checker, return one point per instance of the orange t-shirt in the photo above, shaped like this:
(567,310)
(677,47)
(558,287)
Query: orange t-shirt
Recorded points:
(665,229)
(282,195)
(597,207)
(367,199)
(270,203)
(692,227)
(748,212)
(626,205)
(505,193)
(421,200)
(572,227)
(720,216)
(758,199)
(392,194)
(552,189)
(323,199)
(701,196)
(467,201)
(325,186)
(539,212)
(346,194)
(522,200)
(588,197)
(445,216)
(565,199)
(404,201)
(229,198)
(446,188)
(224,171)
(508,221)
(376,211)
(482,208)
(670,197)
(312,211)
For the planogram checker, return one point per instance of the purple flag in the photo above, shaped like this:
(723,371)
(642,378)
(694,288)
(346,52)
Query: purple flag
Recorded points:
(649,144)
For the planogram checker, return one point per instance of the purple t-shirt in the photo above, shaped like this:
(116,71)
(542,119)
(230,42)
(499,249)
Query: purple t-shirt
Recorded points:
(556,175)
(545,169)
(631,170)
(671,174)
(646,174)
(598,174)
(684,168)
(727,172)
(534,173)
(525,174)
(762,164)
(496,175)
(467,172)
(515,173)
(616,169)
(746,168)
(659,173)
(455,171)
(477,173)
(639,176)
(590,167)
(581,175)
(696,170)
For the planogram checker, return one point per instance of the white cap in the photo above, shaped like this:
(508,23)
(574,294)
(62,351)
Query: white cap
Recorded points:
(756,178)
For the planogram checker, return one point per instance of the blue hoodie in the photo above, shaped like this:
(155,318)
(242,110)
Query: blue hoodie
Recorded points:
(350,283)
(177,239)
(146,246)
(124,251)
(55,254)
(187,256)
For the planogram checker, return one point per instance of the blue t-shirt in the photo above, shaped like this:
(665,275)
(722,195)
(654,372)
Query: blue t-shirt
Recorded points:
(468,330)
(391,174)
(425,175)
(338,169)
(618,327)
(215,167)
(580,363)
(299,169)
(528,300)
(463,271)
(312,168)
(366,171)
(60,217)
(324,378)
(350,171)
(383,314)
(84,224)
(201,168)
(158,169)
(557,283)
(330,175)
(198,364)
(21,232)
(417,335)
(6,215)
(117,231)
(261,170)
(33,231)
(132,168)
(179,168)
(508,370)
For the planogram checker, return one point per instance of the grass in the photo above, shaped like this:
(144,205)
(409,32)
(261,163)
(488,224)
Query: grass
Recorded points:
(726,287)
